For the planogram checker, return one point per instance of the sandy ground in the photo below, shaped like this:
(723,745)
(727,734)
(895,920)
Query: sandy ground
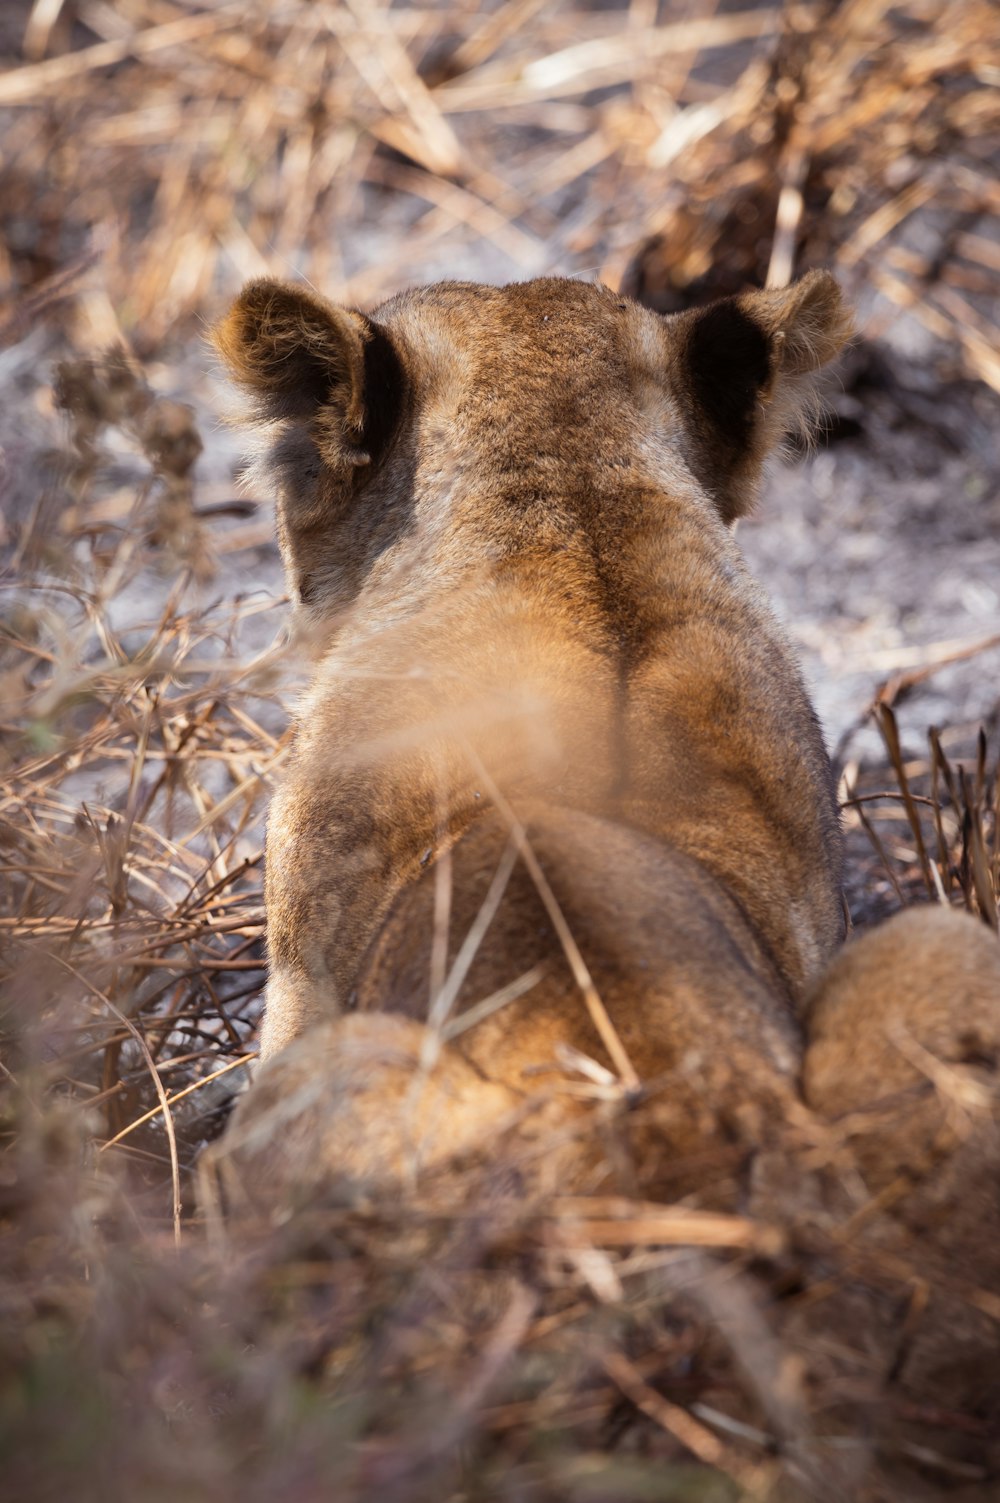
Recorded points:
(882,555)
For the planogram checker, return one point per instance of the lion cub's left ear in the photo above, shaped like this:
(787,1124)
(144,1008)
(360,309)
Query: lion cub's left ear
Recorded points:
(807,323)
(749,363)
(306,361)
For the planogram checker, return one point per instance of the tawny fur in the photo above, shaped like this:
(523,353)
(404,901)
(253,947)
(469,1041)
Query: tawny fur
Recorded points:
(504,514)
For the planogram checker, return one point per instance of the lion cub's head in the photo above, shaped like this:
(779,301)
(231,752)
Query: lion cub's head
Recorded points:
(467,421)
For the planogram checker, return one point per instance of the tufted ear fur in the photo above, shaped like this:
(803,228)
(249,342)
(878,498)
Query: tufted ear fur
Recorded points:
(305,360)
(807,323)
(748,363)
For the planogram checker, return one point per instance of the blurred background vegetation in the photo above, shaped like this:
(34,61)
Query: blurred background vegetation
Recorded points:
(153,155)
(157,153)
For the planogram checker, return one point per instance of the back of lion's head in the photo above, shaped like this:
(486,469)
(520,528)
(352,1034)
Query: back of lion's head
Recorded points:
(441,416)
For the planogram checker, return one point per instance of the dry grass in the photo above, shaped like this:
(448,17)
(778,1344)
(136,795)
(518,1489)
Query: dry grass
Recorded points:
(930,821)
(133,768)
(470,1344)
(185,147)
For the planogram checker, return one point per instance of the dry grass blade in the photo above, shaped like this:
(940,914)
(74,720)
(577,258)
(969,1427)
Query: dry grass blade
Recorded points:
(939,766)
(632,1224)
(982,876)
(606,1030)
(944,657)
(168,1121)
(445,995)
(890,731)
(698,1439)
(440,151)
(169,1101)
(519,987)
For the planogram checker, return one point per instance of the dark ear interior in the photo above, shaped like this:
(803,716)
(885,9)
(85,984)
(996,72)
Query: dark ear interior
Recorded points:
(303,359)
(748,363)
(729,364)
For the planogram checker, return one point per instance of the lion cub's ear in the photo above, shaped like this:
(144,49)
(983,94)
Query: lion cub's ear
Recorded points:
(749,362)
(807,323)
(305,360)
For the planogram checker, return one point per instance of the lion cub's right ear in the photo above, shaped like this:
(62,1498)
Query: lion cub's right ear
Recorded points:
(305,360)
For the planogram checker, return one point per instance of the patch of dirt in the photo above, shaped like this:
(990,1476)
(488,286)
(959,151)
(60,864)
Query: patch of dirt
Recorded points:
(881,552)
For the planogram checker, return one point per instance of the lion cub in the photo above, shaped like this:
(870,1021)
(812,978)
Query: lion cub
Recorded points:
(559,824)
